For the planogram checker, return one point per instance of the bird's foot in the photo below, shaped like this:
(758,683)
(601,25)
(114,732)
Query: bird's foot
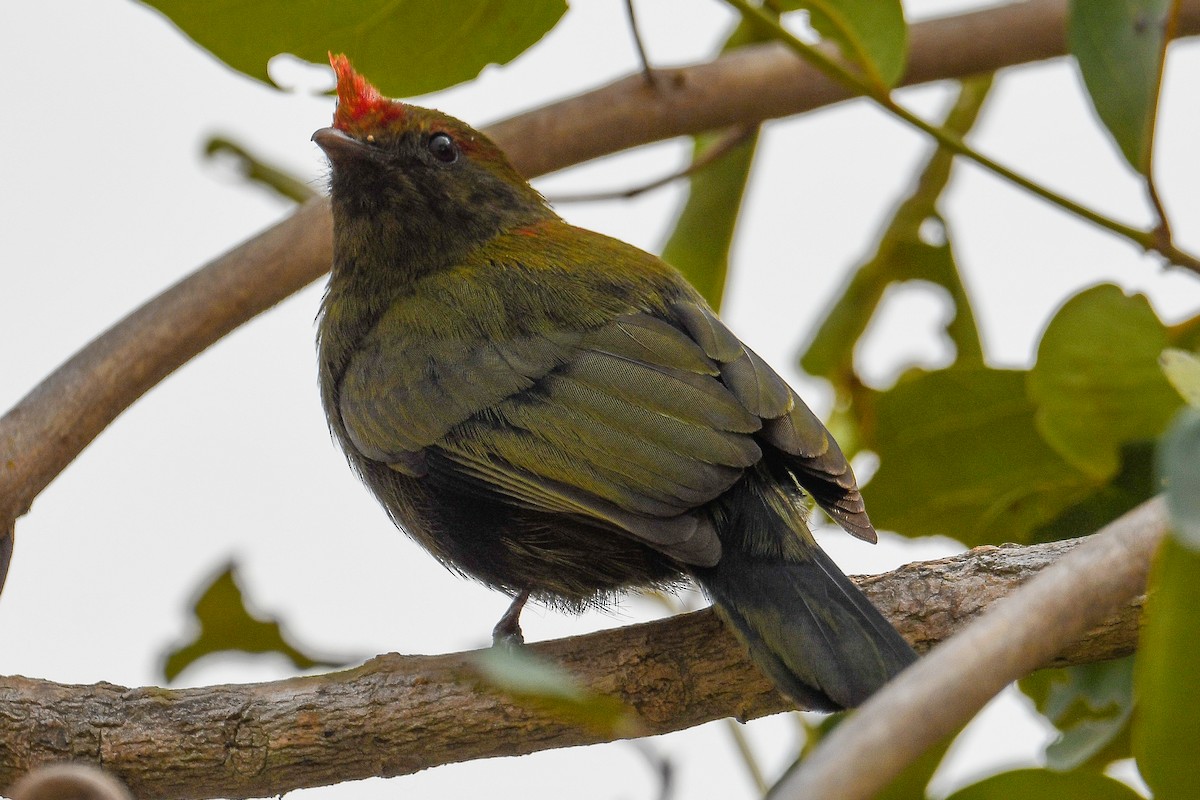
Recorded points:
(507,632)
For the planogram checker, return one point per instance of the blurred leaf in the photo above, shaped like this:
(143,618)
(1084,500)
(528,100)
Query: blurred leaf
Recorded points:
(915,245)
(1043,784)
(703,233)
(542,684)
(256,170)
(1134,483)
(1097,383)
(405,48)
(960,456)
(1166,724)
(1120,46)
(1179,465)
(227,625)
(912,781)
(1183,371)
(1090,705)
(870,33)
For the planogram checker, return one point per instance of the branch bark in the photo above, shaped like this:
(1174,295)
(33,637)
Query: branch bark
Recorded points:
(48,428)
(400,714)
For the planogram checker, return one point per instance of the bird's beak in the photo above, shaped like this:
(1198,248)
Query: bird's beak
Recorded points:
(339,145)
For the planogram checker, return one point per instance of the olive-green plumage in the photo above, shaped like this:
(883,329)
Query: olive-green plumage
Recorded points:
(554,412)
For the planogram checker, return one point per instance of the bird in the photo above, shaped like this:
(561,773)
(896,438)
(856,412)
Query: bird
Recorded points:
(560,415)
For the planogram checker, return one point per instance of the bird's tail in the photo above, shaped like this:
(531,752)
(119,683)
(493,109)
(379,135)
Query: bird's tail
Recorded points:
(807,626)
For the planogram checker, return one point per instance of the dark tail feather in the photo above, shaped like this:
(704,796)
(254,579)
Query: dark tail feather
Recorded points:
(807,626)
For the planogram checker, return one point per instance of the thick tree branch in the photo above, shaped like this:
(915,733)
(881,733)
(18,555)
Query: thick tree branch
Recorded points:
(940,693)
(47,429)
(399,714)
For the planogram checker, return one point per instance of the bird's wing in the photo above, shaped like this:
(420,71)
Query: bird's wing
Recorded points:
(634,424)
(628,424)
(810,452)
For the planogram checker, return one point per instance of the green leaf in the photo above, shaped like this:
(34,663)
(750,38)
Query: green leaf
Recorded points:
(1166,725)
(1134,483)
(227,626)
(1091,706)
(1042,784)
(870,33)
(1179,465)
(1183,371)
(960,456)
(538,683)
(905,252)
(1120,46)
(703,233)
(405,49)
(1097,383)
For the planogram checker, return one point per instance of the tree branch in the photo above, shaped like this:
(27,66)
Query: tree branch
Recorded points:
(941,692)
(48,428)
(400,714)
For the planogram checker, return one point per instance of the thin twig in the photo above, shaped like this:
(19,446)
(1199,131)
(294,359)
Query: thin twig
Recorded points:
(835,70)
(718,150)
(259,171)
(1162,231)
(651,78)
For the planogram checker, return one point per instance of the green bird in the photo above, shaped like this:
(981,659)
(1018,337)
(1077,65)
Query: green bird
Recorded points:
(561,416)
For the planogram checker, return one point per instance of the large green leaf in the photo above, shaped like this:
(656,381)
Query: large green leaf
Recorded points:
(227,625)
(870,33)
(960,456)
(405,48)
(1120,46)
(1097,383)
(1090,705)
(700,241)
(1042,784)
(1166,728)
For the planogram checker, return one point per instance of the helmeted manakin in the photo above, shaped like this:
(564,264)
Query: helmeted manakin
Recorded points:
(561,416)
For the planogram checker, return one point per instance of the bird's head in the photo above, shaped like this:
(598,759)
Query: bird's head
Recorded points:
(435,175)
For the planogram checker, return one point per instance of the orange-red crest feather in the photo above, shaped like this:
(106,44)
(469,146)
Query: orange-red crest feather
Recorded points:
(360,105)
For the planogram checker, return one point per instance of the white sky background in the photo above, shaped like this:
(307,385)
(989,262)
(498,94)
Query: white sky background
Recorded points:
(106,201)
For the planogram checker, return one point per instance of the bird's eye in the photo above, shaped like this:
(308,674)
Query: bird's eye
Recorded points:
(443,148)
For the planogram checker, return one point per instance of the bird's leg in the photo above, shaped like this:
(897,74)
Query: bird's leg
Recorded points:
(508,630)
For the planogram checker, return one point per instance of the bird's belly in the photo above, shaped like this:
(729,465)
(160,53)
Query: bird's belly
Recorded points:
(557,558)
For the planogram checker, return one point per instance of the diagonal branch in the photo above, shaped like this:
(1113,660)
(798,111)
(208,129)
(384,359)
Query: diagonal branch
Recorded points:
(397,715)
(48,428)
(940,693)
